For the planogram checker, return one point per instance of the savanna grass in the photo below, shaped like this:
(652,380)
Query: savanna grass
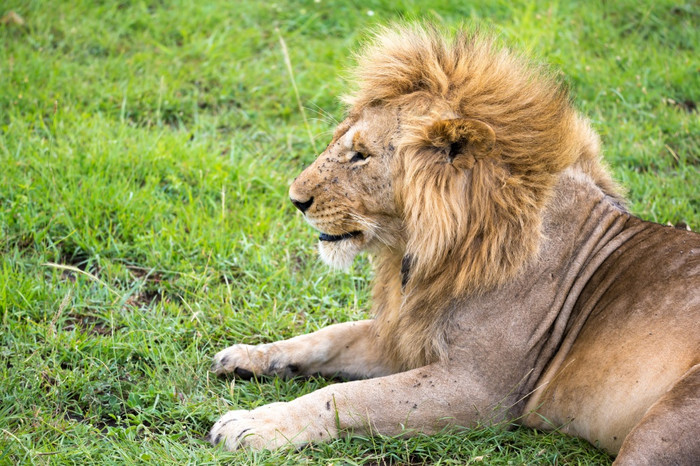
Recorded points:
(146,149)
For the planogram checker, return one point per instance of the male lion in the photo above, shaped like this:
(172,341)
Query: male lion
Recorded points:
(511,282)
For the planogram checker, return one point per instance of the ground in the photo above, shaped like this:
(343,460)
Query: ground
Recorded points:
(146,149)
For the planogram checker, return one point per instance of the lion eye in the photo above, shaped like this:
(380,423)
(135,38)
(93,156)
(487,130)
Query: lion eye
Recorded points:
(359,156)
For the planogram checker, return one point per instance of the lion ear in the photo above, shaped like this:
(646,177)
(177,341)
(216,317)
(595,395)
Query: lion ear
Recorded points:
(464,140)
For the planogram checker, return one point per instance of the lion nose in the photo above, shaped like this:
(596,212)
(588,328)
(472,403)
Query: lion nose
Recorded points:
(303,206)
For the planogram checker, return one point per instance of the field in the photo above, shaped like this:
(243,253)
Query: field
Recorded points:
(146,149)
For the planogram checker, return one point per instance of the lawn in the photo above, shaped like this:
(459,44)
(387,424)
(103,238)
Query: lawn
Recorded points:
(146,149)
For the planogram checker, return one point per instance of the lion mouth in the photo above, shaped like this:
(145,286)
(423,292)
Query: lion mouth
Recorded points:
(333,238)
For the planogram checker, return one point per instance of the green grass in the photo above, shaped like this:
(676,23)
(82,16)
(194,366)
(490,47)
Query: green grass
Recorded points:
(150,145)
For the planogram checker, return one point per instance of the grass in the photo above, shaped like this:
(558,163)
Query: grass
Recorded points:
(146,148)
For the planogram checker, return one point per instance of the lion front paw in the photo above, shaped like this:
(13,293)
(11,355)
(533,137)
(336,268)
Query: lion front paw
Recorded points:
(242,360)
(245,361)
(266,428)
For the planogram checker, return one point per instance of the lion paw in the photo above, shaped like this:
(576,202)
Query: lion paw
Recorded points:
(244,361)
(268,427)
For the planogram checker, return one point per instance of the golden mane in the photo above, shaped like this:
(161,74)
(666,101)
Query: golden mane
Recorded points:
(473,225)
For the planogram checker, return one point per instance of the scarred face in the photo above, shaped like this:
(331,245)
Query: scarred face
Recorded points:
(347,193)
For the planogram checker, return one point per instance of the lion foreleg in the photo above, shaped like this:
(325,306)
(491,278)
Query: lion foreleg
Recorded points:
(423,400)
(347,350)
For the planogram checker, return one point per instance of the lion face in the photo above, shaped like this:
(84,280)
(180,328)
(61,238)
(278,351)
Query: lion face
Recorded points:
(347,193)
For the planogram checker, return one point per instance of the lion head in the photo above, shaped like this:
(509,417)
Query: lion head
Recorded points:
(449,153)
(348,192)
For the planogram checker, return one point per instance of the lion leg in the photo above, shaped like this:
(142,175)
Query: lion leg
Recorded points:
(669,432)
(347,350)
(422,400)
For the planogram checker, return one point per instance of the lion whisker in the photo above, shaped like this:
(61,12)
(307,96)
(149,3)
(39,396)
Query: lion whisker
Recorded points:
(326,116)
(372,227)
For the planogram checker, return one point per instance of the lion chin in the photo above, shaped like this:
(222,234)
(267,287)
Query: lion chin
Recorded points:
(339,254)
(511,285)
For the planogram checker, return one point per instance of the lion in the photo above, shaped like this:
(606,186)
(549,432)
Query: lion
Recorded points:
(511,282)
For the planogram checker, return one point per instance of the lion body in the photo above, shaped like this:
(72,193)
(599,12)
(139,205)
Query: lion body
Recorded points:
(633,334)
(510,282)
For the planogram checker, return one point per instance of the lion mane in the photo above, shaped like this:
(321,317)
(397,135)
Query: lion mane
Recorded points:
(466,230)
